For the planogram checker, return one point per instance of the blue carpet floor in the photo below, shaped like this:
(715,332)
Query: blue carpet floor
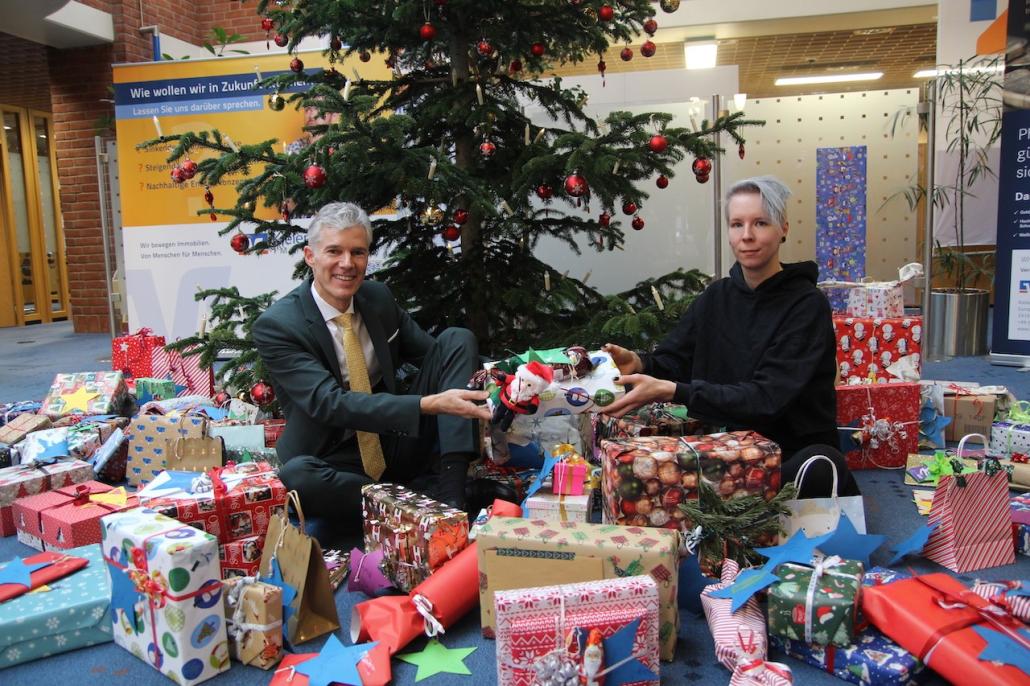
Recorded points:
(29,357)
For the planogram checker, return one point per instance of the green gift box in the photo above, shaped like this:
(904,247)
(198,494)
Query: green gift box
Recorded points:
(154,389)
(816,604)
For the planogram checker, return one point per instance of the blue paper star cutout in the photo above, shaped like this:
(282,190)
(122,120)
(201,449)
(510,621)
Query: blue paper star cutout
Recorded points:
(123,593)
(748,583)
(851,545)
(691,583)
(545,471)
(931,425)
(913,544)
(335,663)
(798,548)
(1004,649)
(619,647)
(289,594)
(17,572)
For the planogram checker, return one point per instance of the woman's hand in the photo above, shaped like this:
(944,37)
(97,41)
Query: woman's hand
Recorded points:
(627,361)
(646,389)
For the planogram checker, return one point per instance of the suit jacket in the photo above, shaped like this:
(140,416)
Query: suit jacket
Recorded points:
(297,349)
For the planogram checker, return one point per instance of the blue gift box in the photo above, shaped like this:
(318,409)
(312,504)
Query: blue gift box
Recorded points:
(75,613)
(871,659)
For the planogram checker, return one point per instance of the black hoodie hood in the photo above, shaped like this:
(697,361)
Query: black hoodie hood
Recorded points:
(792,276)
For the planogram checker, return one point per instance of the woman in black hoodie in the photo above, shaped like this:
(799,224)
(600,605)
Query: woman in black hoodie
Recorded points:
(756,350)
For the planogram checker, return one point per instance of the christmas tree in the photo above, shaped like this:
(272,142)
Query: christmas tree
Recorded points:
(474,183)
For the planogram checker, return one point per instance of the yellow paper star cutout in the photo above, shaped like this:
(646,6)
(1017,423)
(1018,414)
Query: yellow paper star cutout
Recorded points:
(78,400)
(116,497)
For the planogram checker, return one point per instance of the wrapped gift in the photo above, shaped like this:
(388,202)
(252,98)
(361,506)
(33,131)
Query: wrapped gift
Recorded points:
(239,455)
(878,424)
(935,617)
(523,444)
(816,604)
(524,553)
(867,346)
(148,389)
(656,419)
(534,626)
(230,503)
(727,627)
(46,445)
(24,480)
(273,430)
(74,613)
(166,597)
(737,463)
(242,557)
(1007,438)
(569,392)
(149,435)
(131,354)
(974,524)
(9,411)
(184,370)
(928,470)
(68,517)
(254,621)
(970,414)
(6,455)
(21,426)
(569,476)
(110,459)
(517,479)
(880,300)
(1019,505)
(416,534)
(558,508)
(1008,595)
(85,393)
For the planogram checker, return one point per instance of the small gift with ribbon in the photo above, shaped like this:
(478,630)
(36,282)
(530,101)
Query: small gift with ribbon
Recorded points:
(597,631)
(752,669)
(21,425)
(1011,596)
(878,424)
(817,603)
(728,626)
(68,517)
(166,595)
(254,621)
(570,472)
(868,298)
(24,480)
(948,626)
(131,354)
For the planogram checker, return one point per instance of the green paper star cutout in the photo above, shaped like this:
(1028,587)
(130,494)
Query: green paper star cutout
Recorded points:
(437,658)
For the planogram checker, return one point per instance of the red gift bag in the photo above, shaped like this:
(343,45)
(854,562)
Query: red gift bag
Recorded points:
(131,354)
(184,370)
(974,525)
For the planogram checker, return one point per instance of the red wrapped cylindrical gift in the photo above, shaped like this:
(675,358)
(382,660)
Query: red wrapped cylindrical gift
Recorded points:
(932,617)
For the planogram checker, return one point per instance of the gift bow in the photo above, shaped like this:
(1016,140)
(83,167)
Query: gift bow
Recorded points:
(1019,413)
(752,670)
(1020,458)
(151,585)
(825,565)
(872,431)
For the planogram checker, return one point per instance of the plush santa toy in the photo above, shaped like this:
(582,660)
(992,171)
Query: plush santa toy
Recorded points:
(520,392)
(593,660)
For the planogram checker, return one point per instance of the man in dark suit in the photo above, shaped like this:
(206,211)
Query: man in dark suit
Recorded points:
(332,347)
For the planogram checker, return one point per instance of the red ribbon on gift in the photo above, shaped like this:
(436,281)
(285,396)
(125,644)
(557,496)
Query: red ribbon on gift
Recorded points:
(1020,458)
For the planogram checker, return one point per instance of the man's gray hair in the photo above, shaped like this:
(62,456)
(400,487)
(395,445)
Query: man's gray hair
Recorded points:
(774,194)
(336,216)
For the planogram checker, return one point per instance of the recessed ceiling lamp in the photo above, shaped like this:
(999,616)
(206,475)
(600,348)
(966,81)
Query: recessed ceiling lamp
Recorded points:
(700,55)
(827,78)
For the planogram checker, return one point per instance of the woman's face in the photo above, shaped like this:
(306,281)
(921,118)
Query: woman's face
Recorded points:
(754,238)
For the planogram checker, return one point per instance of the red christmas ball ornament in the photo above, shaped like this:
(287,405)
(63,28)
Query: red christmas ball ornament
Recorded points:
(364,55)
(629,208)
(239,242)
(544,192)
(461,216)
(209,197)
(662,181)
(314,176)
(189,169)
(281,39)
(335,44)
(740,150)
(606,13)
(262,393)
(515,67)
(267,24)
(427,32)
(296,65)
(658,143)
(648,49)
(576,185)
(702,165)
(638,223)
(451,233)
(177,175)
(221,398)
(702,178)
(601,67)
(605,219)
(484,48)
(626,54)
(650,26)
(487,149)
(538,49)
(213,217)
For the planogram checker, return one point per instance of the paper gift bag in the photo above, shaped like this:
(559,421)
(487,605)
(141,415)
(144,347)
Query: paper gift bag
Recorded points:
(243,437)
(194,454)
(149,438)
(299,560)
(818,516)
(184,370)
(974,525)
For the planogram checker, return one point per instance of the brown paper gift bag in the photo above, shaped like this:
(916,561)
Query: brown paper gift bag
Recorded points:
(194,454)
(302,567)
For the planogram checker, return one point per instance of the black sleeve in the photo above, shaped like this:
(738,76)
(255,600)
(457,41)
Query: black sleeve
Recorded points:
(782,374)
(673,359)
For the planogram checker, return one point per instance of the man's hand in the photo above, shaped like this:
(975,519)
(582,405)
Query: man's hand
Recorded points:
(458,402)
(646,389)
(627,361)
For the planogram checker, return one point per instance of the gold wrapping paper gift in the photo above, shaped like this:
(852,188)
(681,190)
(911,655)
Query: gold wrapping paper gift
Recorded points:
(254,620)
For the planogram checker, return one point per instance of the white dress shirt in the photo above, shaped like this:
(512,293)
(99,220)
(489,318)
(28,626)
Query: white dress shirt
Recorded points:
(329,313)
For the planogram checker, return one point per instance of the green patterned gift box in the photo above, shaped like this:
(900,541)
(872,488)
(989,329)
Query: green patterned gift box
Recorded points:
(816,604)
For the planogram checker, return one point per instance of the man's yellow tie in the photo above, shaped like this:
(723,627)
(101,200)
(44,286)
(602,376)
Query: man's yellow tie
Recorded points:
(372,459)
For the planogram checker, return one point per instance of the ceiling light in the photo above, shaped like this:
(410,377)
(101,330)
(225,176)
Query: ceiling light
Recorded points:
(934,73)
(828,78)
(700,55)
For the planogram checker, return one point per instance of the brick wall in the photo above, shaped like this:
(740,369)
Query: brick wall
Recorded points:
(24,66)
(231,15)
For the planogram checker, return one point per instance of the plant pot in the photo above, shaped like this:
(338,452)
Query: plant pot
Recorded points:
(957,326)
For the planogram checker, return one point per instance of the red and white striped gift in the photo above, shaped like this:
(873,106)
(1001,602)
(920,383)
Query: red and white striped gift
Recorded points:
(728,626)
(974,525)
(998,593)
(184,370)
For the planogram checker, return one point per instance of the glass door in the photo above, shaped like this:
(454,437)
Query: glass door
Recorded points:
(48,197)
